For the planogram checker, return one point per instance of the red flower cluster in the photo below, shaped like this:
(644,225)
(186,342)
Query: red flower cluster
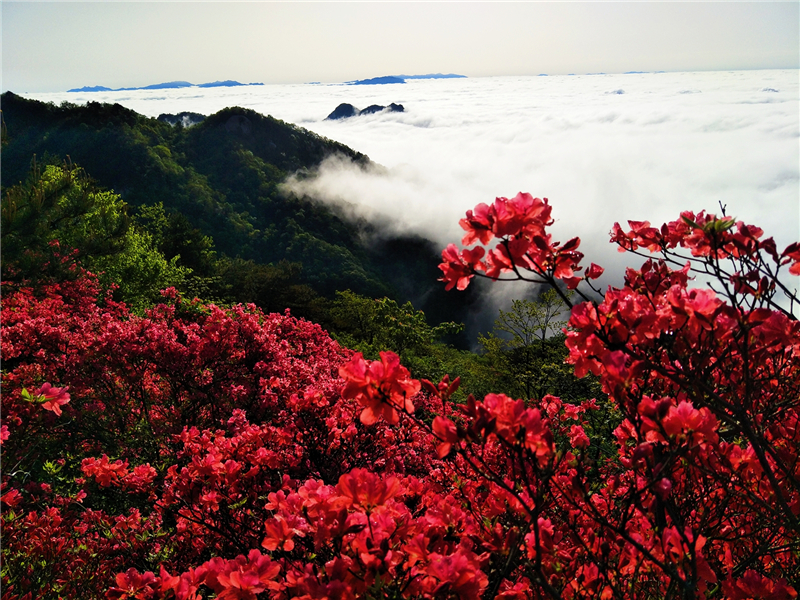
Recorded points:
(524,246)
(381,387)
(706,386)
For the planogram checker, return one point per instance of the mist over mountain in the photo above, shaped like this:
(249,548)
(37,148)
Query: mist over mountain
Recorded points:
(671,142)
(224,175)
(184,119)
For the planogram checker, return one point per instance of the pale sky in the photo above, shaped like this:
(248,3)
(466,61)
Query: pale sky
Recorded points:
(54,46)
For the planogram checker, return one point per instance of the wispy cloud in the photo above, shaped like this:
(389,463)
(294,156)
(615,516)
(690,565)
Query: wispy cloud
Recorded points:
(598,155)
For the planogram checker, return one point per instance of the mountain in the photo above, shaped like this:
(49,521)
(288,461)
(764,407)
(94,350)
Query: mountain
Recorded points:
(169,85)
(376,108)
(93,88)
(345,111)
(223,177)
(184,119)
(226,83)
(232,83)
(377,81)
(402,78)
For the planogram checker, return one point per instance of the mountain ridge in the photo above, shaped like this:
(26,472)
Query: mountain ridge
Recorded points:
(169,85)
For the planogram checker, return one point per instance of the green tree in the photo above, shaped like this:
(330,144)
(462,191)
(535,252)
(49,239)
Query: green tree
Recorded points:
(370,326)
(223,180)
(272,287)
(57,203)
(527,350)
(530,321)
(59,218)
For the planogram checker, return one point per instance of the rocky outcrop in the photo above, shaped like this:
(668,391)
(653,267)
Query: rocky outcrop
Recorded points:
(344,111)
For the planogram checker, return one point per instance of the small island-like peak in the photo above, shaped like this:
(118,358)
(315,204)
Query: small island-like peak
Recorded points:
(402,78)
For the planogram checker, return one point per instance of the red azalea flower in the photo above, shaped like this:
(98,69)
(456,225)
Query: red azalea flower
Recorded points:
(56,397)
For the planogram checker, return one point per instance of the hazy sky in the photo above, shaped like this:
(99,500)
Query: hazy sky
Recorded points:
(53,46)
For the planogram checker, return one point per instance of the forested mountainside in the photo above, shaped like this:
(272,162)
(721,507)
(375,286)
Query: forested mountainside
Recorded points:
(218,183)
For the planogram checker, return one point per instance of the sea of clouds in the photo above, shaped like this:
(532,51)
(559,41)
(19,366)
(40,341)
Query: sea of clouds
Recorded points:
(602,148)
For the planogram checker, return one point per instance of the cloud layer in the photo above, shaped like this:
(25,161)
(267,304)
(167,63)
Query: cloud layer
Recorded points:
(602,148)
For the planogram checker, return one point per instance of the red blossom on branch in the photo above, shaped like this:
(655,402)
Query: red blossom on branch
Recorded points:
(381,387)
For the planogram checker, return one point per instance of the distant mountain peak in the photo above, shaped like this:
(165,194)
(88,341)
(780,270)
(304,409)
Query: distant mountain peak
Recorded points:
(91,88)
(378,80)
(166,86)
(226,83)
(402,78)
(169,85)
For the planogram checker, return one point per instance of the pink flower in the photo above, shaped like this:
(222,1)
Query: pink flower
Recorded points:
(792,254)
(133,584)
(367,489)
(56,397)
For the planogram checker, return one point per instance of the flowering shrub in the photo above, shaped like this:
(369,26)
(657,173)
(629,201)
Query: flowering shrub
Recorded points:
(206,452)
(174,431)
(703,495)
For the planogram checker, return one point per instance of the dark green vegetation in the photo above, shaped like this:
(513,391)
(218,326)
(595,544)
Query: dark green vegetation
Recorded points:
(202,209)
